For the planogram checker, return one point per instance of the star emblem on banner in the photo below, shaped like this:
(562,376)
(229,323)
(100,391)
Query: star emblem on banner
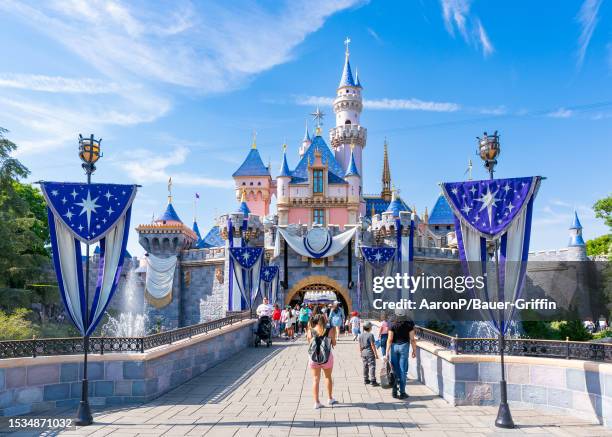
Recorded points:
(89,207)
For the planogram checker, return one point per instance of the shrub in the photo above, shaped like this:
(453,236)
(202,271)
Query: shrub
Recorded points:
(16,326)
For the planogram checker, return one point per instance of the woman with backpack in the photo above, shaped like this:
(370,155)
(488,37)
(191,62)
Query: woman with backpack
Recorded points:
(321,340)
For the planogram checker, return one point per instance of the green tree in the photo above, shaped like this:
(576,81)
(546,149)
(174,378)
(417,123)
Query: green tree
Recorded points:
(600,245)
(16,326)
(603,210)
(24,232)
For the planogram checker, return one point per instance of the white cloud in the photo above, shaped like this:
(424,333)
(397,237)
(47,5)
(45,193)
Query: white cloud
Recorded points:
(142,165)
(385,104)
(374,35)
(561,113)
(211,48)
(457,17)
(587,18)
(58,84)
(485,42)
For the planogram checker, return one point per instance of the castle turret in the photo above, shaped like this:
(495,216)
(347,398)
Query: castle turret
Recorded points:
(347,107)
(166,237)
(282,188)
(576,232)
(576,250)
(254,178)
(306,141)
(353,178)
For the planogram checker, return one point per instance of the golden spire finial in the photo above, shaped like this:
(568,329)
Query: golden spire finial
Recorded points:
(284,146)
(352,145)
(170,189)
(254,144)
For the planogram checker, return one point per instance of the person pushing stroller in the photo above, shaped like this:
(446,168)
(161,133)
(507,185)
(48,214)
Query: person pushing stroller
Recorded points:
(264,327)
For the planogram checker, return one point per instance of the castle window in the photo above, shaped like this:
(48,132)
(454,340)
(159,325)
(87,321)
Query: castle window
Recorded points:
(317,185)
(437,228)
(251,183)
(347,122)
(318,216)
(258,183)
(244,183)
(448,228)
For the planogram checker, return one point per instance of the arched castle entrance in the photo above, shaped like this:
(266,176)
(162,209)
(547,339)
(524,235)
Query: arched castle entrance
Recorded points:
(319,283)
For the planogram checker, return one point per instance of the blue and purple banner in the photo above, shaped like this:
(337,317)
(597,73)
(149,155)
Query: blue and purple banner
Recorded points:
(88,213)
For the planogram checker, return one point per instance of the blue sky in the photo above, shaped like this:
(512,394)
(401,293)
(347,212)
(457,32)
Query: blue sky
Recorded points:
(177,88)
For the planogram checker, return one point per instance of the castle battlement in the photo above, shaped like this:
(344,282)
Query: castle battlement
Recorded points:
(212,253)
(348,134)
(436,252)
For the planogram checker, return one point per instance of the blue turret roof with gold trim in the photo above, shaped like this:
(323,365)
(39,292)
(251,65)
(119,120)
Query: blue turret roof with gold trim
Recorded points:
(252,165)
(212,239)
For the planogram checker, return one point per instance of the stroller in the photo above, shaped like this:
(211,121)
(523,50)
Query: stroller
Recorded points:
(264,331)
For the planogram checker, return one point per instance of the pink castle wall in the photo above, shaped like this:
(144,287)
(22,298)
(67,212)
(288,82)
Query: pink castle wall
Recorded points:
(338,216)
(299,215)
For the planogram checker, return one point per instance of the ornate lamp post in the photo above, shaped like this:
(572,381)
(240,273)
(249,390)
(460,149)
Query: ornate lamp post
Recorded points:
(89,152)
(489,149)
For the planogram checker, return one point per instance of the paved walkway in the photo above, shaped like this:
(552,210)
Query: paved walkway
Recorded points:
(267,392)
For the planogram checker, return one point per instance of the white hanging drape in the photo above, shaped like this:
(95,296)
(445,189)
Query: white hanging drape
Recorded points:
(160,275)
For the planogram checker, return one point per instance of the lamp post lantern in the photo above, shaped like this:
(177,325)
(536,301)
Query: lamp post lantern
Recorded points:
(90,153)
(489,149)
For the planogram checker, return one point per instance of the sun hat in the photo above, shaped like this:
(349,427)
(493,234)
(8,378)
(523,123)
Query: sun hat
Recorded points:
(367,325)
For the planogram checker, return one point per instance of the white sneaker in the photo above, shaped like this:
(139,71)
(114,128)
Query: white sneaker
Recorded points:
(331,402)
(317,405)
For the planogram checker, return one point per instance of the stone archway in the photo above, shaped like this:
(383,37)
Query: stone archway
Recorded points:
(319,280)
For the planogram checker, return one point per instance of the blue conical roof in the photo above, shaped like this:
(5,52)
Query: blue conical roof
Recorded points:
(441,213)
(306,134)
(244,208)
(169,215)
(576,222)
(396,206)
(347,74)
(284,171)
(252,165)
(352,168)
(357,81)
(212,239)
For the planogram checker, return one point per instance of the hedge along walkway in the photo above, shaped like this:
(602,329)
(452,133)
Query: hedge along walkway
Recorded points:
(267,392)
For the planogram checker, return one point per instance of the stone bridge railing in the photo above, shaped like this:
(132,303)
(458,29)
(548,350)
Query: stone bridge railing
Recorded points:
(575,377)
(129,371)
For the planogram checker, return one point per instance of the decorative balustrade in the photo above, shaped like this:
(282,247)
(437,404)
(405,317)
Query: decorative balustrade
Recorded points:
(577,350)
(102,345)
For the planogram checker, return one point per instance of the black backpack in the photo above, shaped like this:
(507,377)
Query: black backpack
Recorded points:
(320,348)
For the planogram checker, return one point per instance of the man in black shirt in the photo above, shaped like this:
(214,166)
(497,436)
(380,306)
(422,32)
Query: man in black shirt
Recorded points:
(401,337)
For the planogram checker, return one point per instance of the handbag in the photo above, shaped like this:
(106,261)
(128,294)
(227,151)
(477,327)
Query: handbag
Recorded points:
(387,377)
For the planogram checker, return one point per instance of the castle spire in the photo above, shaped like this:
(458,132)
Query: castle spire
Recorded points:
(284,171)
(347,74)
(169,190)
(352,168)
(386,176)
(306,134)
(576,232)
(254,143)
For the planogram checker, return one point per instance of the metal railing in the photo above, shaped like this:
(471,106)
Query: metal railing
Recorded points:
(102,345)
(526,347)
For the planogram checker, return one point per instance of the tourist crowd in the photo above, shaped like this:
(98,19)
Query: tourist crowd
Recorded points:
(322,325)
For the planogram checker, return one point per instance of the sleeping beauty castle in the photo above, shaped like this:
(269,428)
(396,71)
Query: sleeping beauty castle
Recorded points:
(309,246)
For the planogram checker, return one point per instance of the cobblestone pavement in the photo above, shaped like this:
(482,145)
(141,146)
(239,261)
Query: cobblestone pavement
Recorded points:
(267,392)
